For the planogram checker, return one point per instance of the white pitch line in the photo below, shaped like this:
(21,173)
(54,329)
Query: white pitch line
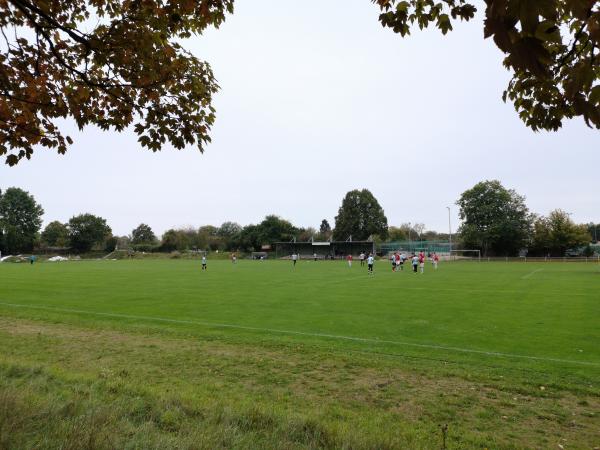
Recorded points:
(530,274)
(301,333)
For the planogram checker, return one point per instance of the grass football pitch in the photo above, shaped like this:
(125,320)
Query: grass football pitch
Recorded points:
(158,354)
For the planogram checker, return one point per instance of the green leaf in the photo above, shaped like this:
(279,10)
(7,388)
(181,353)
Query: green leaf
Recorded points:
(594,97)
(547,31)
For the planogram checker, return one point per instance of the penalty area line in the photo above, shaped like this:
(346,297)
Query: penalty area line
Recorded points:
(530,274)
(301,333)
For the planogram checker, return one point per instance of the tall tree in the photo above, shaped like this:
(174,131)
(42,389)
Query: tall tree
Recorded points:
(594,230)
(248,239)
(109,63)
(208,237)
(174,240)
(274,229)
(87,231)
(557,233)
(325,232)
(397,234)
(551,49)
(419,229)
(306,234)
(228,232)
(143,234)
(229,229)
(360,216)
(20,220)
(56,234)
(495,219)
(324,228)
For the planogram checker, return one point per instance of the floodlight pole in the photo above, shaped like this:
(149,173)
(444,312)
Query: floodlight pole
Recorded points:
(449,229)
(409,226)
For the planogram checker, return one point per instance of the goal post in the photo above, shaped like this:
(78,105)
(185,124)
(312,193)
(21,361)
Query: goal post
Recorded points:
(465,255)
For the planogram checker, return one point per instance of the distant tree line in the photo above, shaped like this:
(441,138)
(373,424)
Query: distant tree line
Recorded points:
(494,220)
(497,221)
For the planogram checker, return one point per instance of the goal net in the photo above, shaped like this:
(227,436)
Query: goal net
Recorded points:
(259,256)
(465,255)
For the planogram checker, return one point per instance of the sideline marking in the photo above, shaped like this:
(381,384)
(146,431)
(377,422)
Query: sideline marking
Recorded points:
(301,333)
(530,274)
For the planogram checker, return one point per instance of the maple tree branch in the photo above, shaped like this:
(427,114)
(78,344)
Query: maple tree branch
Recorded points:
(27,8)
(565,58)
(30,131)
(6,94)
(8,44)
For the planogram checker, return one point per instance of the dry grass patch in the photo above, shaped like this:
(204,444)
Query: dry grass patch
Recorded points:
(264,394)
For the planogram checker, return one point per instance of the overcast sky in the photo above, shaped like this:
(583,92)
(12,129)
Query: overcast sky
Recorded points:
(318,99)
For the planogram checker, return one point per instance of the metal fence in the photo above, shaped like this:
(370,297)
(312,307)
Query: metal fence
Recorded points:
(439,247)
(525,259)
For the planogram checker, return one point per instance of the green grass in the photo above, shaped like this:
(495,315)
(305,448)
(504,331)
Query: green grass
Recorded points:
(157,354)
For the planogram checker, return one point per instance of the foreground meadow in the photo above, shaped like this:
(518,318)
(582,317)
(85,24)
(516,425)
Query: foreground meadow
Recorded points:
(157,354)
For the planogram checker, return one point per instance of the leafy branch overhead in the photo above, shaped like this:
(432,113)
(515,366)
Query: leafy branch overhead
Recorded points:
(119,63)
(551,48)
(111,63)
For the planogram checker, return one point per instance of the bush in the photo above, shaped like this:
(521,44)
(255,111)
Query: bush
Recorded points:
(588,251)
(146,248)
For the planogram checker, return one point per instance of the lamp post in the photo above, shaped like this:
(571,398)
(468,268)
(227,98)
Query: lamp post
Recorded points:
(409,226)
(449,230)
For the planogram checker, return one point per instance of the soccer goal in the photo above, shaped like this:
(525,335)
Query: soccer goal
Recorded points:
(259,256)
(465,255)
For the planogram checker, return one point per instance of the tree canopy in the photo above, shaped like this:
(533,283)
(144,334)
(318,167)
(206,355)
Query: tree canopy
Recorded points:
(494,218)
(550,47)
(360,216)
(110,63)
(56,234)
(229,229)
(143,234)
(555,234)
(273,229)
(397,233)
(87,231)
(120,63)
(594,230)
(20,220)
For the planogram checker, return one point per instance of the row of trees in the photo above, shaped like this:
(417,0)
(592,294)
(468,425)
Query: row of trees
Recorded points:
(360,216)
(21,221)
(495,220)
(228,236)
(82,233)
